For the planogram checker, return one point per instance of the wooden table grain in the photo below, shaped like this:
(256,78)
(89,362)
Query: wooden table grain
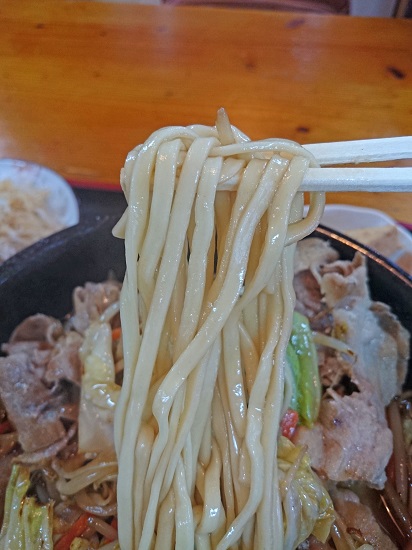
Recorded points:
(81,83)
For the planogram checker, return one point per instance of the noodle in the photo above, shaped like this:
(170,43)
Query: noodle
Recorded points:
(92,484)
(206,310)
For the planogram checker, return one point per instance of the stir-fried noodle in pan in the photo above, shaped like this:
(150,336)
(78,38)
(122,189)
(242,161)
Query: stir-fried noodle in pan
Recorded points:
(212,400)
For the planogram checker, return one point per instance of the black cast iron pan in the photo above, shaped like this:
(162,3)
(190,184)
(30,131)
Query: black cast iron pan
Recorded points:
(42,277)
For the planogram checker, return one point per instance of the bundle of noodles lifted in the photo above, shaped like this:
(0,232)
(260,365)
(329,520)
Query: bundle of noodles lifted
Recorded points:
(207,310)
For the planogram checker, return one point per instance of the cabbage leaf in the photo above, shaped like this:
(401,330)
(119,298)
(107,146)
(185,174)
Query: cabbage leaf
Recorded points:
(26,524)
(99,392)
(307,506)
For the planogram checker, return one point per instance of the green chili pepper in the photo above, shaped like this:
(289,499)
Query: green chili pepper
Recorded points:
(293,361)
(305,369)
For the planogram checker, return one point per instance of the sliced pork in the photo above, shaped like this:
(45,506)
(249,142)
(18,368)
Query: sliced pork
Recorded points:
(31,406)
(351,442)
(91,300)
(39,382)
(361,384)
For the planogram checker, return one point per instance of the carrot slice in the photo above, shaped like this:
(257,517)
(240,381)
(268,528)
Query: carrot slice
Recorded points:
(76,530)
(116,333)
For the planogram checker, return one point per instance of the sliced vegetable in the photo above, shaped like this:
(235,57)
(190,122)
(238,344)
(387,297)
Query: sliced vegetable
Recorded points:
(306,370)
(26,523)
(288,423)
(37,524)
(293,362)
(116,333)
(307,506)
(75,531)
(99,392)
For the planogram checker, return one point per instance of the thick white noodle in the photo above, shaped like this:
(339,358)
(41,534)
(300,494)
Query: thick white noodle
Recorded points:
(206,310)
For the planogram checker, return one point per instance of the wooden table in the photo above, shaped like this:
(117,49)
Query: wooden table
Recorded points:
(81,83)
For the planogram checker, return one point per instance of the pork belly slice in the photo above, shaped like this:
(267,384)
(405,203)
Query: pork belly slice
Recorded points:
(30,405)
(380,356)
(312,253)
(39,381)
(53,352)
(389,323)
(372,332)
(351,441)
(342,279)
(309,301)
(37,328)
(335,297)
(65,363)
(91,300)
(321,280)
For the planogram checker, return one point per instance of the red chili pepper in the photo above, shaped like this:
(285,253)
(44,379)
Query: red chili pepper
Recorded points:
(5,427)
(288,423)
(76,530)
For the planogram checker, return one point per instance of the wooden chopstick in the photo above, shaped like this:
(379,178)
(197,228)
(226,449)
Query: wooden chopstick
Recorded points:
(348,179)
(364,150)
(358,179)
(398,179)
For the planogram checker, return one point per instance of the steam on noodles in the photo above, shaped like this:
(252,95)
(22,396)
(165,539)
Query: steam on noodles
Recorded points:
(206,313)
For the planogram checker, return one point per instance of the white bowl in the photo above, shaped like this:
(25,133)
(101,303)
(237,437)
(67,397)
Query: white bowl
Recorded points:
(343,218)
(62,203)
